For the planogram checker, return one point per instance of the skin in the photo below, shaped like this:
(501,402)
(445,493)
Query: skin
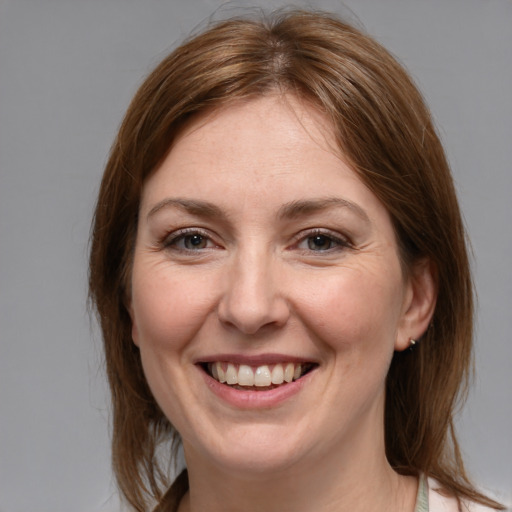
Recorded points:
(255,284)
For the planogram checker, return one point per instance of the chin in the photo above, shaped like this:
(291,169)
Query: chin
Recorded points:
(253,452)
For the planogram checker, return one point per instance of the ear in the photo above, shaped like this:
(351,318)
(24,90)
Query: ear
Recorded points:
(419,303)
(135,330)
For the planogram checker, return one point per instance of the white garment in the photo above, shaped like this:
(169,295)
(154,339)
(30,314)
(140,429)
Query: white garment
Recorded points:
(439,503)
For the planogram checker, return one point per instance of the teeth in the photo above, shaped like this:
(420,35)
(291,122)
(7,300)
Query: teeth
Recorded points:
(231,374)
(215,372)
(288,372)
(262,376)
(245,375)
(278,374)
(220,372)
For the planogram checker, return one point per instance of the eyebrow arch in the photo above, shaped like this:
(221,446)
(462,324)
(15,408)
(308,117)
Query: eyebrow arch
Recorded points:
(290,210)
(308,206)
(193,206)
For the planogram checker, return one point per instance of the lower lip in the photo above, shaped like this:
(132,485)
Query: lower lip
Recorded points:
(255,399)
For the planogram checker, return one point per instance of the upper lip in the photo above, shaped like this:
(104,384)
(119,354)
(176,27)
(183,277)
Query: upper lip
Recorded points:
(253,360)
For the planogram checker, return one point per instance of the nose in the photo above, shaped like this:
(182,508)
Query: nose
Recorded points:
(253,295)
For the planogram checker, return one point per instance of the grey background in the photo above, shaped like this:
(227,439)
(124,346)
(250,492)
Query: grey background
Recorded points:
(67,72)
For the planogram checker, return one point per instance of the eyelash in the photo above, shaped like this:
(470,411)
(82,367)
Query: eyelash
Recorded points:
(339,241)
(171,241)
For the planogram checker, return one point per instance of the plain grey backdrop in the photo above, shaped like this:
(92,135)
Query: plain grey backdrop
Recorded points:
(68,69)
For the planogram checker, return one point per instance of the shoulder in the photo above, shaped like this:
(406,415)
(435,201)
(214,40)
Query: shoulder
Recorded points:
(438,502)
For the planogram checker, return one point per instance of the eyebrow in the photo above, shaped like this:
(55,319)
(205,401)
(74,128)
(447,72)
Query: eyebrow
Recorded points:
(305,207)
(294,209)
(193,206)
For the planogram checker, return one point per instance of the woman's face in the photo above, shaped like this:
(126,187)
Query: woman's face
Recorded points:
(262,258)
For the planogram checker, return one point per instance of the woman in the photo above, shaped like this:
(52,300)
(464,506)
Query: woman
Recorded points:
(279,266)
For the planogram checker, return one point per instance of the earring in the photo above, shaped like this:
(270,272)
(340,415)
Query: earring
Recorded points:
(412,342)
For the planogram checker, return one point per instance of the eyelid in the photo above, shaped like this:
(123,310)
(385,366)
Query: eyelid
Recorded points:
(171,238)
(343,241)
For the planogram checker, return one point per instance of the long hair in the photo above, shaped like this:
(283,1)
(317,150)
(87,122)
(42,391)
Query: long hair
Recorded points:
(384,129)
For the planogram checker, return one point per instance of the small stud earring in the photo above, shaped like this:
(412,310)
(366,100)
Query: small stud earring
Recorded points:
(412,342)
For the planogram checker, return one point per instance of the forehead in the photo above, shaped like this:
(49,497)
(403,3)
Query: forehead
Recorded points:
(274,110)
(273,136)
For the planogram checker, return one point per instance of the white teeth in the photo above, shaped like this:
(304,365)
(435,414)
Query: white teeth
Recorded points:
(262,376)
(245,375)
(231,375)
(288,372)
(278,374)
(220,372)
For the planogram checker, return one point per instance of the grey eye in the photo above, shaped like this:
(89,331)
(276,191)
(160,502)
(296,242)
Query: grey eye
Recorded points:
(320,243)
(195,241)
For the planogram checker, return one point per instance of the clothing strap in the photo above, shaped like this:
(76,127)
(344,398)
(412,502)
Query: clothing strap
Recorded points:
(422,496)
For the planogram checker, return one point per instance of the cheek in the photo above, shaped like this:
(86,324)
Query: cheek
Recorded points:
(353,310)
(166,311)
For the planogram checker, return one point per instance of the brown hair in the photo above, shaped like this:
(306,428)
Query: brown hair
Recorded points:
(384,128)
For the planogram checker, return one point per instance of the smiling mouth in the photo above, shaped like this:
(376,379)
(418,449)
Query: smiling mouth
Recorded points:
(256,378)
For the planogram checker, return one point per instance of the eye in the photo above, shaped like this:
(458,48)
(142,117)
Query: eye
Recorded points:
(188,240)
(195,241)
(320,241)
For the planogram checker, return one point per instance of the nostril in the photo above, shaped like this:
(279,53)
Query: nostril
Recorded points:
(252,318)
